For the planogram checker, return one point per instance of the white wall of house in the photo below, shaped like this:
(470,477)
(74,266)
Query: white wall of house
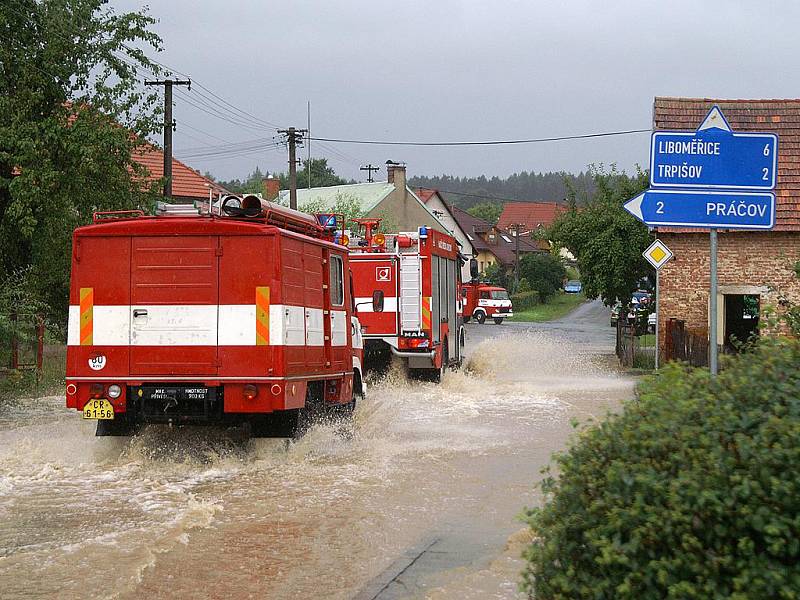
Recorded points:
(440,209)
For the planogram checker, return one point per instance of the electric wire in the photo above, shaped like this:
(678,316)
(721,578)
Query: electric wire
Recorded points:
(484,142)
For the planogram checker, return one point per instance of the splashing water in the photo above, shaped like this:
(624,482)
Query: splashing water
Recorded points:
(188,511)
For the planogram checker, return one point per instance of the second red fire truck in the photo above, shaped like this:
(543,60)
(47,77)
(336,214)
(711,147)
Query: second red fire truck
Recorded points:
(407,295)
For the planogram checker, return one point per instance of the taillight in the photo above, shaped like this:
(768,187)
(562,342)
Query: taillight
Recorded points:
(250,392)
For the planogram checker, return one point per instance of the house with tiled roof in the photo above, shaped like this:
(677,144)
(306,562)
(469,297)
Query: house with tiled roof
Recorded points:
(492,244)
(188,185)
(391,200)
(756,269)
(532,216)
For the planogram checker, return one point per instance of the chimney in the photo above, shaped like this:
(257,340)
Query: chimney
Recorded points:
(272,186)
(396,174)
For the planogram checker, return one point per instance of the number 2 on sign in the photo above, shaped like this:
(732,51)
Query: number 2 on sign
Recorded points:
(766,174)
(659,208)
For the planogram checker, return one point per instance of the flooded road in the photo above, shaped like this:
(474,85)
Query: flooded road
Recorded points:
(420,501)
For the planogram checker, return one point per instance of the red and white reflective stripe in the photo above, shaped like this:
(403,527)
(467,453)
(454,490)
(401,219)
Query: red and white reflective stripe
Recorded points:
(203,325)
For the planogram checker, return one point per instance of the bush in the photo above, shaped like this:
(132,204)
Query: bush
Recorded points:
(691,492)
(544,273)
(525,300)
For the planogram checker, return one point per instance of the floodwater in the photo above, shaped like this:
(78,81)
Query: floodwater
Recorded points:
(180,513)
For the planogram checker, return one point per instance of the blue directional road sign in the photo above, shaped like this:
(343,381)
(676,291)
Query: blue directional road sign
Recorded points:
(701,208)
(713,156)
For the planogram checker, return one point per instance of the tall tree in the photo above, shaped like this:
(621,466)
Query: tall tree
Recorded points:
(322,175)
(487,211)
(74,114)
(604,238)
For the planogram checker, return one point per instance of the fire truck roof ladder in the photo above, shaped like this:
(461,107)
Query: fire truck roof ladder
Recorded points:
(177,210)
(410,292)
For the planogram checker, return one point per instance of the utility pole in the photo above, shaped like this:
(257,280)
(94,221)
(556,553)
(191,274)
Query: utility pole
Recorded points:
(369,169)
(293,136)
(308,148)
(169,127)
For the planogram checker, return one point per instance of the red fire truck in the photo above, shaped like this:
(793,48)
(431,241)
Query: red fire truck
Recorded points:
(241,317)
(485,301)
(406,287)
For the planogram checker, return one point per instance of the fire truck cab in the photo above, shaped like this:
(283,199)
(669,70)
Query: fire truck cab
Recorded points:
(242,317)
(485,301)
(406,288)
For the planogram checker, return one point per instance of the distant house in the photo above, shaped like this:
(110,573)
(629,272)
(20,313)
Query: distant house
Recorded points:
(391,200)
(492,244)
(531,216)
(436,204)
(188,185)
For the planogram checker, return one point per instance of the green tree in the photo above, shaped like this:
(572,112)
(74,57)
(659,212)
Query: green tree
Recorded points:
(322,175)
(604,238)
(544,273)
(73,116)
(343,204)
(487,211)
(252,184)
(496,275)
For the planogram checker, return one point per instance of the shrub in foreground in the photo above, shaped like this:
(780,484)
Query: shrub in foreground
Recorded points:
(693,491)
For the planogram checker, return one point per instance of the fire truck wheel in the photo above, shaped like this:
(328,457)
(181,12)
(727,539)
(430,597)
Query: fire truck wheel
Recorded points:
(498,320)
(117,427)
(480,317)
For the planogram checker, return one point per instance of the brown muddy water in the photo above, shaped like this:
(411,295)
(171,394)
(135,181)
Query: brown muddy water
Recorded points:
(189,513)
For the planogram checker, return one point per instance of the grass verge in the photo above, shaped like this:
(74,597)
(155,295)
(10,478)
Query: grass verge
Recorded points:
(561,304)
(22,384)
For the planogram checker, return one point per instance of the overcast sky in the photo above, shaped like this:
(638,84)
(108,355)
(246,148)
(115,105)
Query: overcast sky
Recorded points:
(443,70)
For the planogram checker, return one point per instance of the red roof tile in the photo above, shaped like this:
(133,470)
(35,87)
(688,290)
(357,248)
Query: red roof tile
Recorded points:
(778,116)
(426,194)
(504,251)
(531,214)
(186,182)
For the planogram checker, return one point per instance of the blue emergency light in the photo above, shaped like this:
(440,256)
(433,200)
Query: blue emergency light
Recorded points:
(327,221)
(423,232)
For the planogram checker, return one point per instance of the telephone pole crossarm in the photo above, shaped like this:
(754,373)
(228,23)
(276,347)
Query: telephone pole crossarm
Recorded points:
(369,169)
(293,137)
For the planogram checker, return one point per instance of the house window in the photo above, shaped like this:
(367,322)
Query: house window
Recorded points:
(337,281)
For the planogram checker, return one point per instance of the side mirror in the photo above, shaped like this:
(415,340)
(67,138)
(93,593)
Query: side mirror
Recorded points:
(377,301)
(473,268)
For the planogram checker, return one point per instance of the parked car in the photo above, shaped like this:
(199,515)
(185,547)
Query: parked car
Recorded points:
(573,287)
(651,322)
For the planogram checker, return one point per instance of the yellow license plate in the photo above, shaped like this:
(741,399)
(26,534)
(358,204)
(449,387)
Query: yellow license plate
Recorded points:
(98,409)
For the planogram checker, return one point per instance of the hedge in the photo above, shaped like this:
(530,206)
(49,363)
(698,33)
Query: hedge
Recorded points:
(693,491)
(525,300)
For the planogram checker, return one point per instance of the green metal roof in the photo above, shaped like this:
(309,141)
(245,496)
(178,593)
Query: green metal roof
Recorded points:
(367,195)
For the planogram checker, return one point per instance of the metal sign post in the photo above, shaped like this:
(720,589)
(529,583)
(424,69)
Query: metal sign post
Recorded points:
(698,179)
(713,348)
(657,254)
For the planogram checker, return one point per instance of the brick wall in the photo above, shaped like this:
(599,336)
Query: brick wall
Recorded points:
(744,259)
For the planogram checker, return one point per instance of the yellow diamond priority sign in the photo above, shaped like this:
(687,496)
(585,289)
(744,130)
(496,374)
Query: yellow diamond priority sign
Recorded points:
(657,254)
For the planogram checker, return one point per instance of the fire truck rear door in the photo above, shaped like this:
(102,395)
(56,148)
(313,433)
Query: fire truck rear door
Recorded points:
(174,305)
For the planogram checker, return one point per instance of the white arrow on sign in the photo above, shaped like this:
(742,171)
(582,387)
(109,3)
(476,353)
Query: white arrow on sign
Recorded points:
(634,206)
